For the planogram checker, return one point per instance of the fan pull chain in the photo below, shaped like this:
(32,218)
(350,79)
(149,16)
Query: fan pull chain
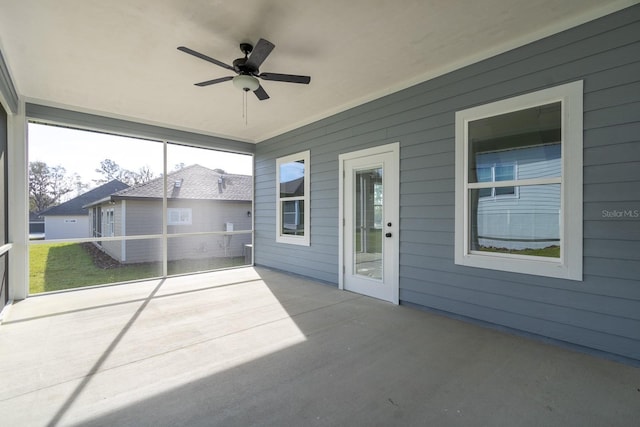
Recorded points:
(245,109)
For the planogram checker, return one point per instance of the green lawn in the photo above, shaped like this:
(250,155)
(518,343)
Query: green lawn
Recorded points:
(374,240)
(550,251)
(59,266)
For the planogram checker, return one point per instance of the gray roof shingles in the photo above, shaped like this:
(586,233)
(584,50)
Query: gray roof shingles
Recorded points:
(77,205)
(196,183)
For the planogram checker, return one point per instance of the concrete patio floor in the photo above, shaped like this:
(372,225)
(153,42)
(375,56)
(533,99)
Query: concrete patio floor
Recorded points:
(257,347)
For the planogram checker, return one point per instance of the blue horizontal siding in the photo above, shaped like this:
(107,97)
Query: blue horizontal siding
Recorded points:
(602,311)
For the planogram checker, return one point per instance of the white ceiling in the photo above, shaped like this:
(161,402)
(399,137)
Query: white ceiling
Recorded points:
(119,58)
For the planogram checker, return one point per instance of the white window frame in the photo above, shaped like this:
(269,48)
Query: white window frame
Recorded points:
(304,240)
(569,265)
(185,213)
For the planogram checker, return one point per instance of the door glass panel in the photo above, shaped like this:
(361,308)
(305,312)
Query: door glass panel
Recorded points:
(368,218)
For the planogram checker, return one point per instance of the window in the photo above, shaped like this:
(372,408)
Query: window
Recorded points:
(519,184)
(110,228)
(493,173)
(292,204)
(178,216)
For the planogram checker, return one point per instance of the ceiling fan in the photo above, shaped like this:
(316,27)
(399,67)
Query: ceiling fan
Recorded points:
(248,69)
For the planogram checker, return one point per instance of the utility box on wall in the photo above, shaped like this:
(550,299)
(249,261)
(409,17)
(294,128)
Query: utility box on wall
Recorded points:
(228,226)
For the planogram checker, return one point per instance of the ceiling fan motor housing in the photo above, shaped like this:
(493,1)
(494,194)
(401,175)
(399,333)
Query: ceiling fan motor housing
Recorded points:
(241,67)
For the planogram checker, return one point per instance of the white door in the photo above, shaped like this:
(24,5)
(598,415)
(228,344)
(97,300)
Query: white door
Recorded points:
(370,213)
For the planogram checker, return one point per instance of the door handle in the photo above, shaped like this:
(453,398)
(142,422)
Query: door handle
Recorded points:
(387,235)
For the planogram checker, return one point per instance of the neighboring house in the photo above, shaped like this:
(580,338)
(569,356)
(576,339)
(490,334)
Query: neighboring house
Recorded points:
(513,217)
(70,219)
(198,200)
(36,226)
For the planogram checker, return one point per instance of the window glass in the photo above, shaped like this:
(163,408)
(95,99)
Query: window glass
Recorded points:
(110,223)
(529,225)
(529,138)
(505,173)
(180,216)
(292,191)
(292,179)
(507,219)
(484,174)
(293,217)
(519,184)
(377,205)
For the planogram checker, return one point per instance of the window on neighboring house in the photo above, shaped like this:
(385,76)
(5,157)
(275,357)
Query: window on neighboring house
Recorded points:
(519,184)
(178,216)
(293,216)
(110,228)
(292,192)
(497,172)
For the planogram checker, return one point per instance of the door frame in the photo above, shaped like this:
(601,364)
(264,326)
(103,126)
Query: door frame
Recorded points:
(392,195)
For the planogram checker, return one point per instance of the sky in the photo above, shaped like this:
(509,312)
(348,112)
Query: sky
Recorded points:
(81,152)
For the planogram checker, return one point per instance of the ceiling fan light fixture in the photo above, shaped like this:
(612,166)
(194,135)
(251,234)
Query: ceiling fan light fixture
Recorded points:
(246,82)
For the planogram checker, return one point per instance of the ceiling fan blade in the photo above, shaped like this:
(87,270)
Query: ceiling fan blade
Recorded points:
(205,57)
(261,93)
(260,53)
(289,78)
(214,81)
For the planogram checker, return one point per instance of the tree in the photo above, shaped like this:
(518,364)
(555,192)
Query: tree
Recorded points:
(60,184)
(144,175)
(47,185)
(39,196)
(110,170)
(80,187)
